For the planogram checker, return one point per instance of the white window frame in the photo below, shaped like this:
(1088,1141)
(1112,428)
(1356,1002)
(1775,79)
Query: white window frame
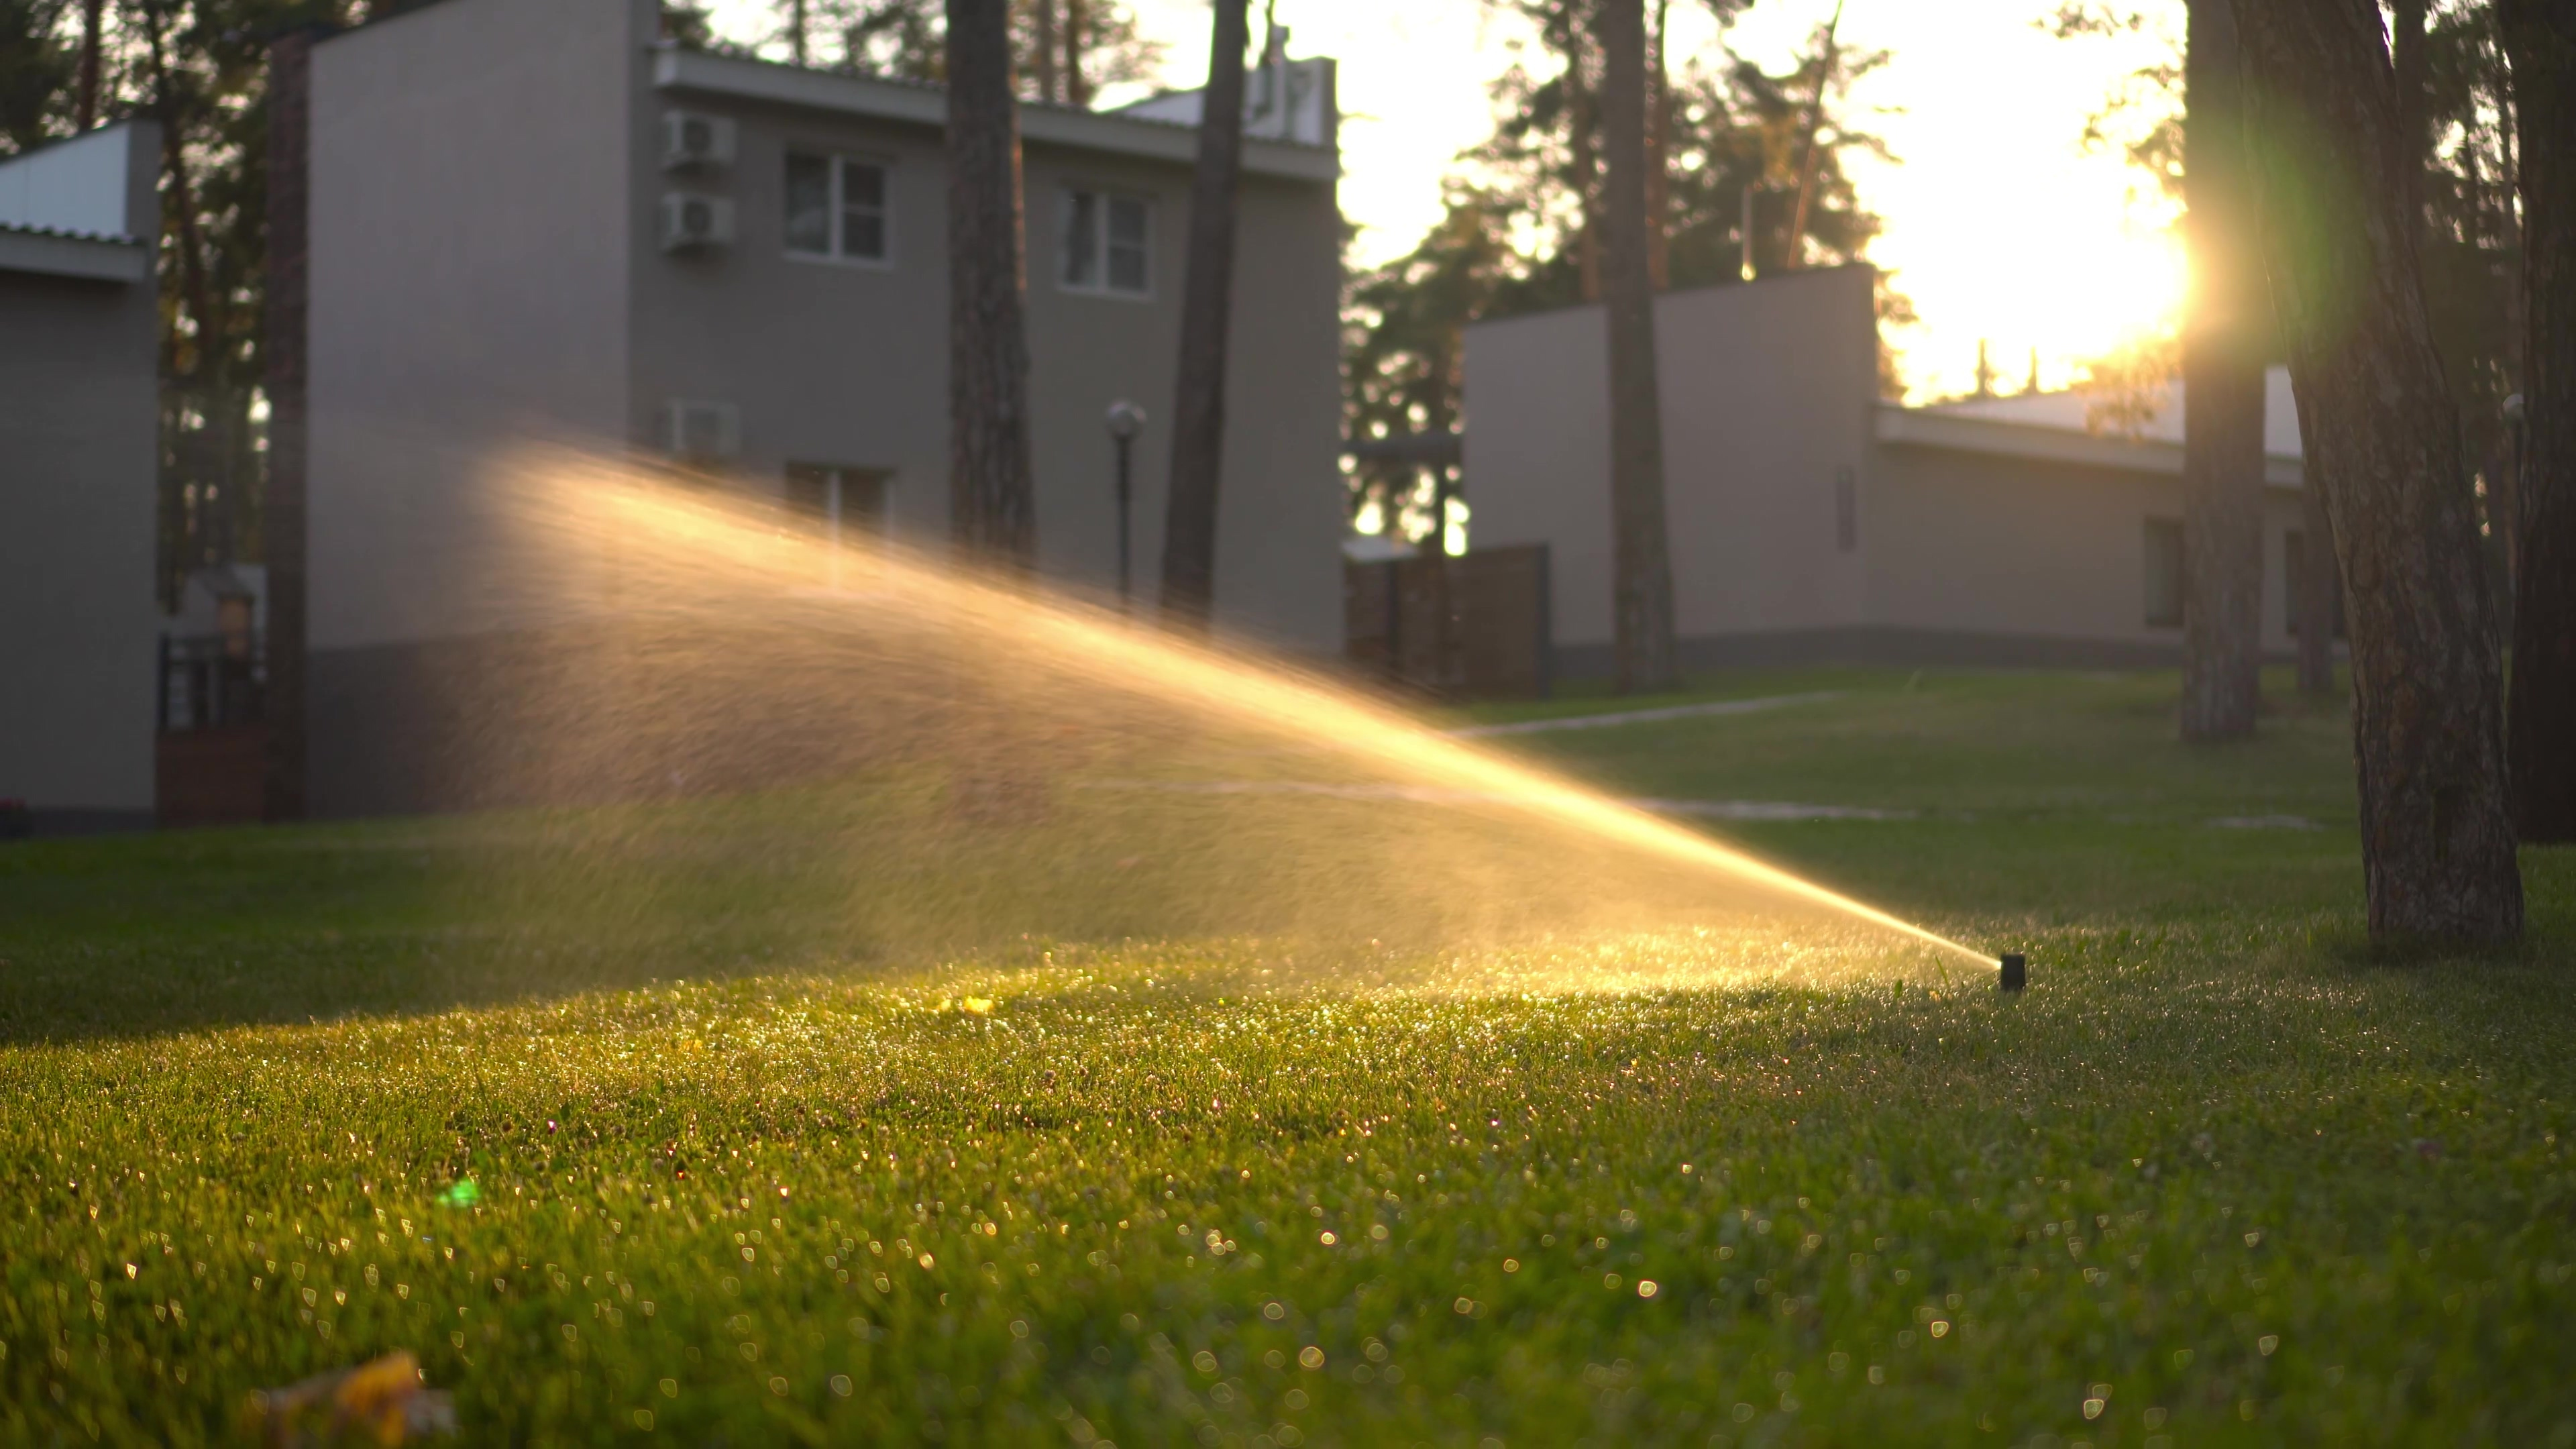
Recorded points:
(838,525)
(1099,286)
(837,207)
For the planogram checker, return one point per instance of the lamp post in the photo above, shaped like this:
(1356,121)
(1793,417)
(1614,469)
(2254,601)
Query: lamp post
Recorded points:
(1125,421)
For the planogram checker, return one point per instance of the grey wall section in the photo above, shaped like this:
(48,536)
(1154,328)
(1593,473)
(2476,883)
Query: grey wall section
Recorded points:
(1951,556)
(79,418)
(847,363)
(1767,397)
(1973,544)
(487,268)
(468,290)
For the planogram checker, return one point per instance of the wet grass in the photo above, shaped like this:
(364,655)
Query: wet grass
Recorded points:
(2221,1176)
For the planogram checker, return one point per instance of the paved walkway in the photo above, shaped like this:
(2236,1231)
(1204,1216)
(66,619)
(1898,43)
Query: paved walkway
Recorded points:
(1642,716)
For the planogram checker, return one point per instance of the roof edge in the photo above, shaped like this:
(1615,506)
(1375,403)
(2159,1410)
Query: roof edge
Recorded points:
(676,69)
(74,254)
(1902,426)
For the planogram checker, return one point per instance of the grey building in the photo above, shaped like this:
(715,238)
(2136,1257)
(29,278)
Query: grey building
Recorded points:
(1809,519)
(79,409)
(540,221)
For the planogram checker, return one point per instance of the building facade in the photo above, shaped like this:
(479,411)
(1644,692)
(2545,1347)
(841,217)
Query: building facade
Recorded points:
(543,223)
(1811,520)
(79,418)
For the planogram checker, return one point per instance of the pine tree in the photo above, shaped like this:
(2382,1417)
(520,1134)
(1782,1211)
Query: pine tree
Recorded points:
(2541,37)
(1641,568)
(992,513)
(1198,413)
(2222,459)
(2382,435)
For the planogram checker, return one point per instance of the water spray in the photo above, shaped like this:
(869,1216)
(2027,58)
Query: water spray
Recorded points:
(946,652)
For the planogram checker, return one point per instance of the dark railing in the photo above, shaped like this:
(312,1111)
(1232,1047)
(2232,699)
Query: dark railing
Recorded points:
(210,681)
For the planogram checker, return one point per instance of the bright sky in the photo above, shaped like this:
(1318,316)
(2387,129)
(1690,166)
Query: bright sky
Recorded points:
(1999,225)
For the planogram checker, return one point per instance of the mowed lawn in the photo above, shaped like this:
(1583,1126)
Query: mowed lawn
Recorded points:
(2225,1174)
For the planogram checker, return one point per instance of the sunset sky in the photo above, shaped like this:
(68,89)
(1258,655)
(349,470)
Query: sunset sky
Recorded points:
(1999,225)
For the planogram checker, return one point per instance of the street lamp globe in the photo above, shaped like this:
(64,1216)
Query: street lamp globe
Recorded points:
(1125,420)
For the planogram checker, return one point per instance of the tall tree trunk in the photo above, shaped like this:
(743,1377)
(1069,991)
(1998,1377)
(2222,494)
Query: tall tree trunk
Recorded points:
(284,288)
(1198,411)
(2540,36)
(2504,512)
(1077,91)
(2383,436)
(93,25)
(1659,129)
(1583,121)
(1044,45)
(2222,369)
(796,31)
(990,510)
(2318,590)
(1642,560)
(2406,55)
(1815,128)
(194,286)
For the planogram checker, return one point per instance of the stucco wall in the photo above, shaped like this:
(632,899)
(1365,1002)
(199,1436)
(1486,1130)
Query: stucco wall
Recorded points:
(847,364)
(78,422)
(1766,393)
(469,290)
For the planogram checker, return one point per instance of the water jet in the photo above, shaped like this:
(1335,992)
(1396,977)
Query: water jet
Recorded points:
(720,700)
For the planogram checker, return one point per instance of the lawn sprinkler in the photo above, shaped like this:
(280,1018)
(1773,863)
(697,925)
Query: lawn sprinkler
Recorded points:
(2016,974)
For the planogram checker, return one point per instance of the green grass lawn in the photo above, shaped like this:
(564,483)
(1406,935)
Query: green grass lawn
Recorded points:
(2223,1175)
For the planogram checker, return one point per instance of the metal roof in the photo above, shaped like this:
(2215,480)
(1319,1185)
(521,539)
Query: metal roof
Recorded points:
(109,238)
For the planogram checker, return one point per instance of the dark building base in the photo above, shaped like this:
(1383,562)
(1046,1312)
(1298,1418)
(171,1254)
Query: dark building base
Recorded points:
(1888,648)
(47,824)
(592,716)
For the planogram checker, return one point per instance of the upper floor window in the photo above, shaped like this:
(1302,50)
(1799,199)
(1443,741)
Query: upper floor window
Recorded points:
(1108,244)
(837,207)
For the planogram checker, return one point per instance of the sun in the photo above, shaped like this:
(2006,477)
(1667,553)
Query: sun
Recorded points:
(2073,303)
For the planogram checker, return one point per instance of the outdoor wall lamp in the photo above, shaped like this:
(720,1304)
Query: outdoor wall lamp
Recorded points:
(1125,421)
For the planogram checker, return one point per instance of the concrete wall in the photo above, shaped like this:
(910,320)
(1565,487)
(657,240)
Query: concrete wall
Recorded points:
(2017,548)
(1767,391)
(845,363)
(469,274)
(487,268)
(1958,555)
(78,425)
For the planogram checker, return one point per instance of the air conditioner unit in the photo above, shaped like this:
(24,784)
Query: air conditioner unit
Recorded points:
(699,431)
(691,222)
(692,139)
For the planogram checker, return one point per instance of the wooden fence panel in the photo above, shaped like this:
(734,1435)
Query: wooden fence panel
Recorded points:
(1472,626)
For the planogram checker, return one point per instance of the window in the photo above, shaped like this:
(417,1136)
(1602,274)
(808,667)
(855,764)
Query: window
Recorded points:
(2294,558)
(2164,573)
(847,505)
(837,208)
(848,502)
(1108,244)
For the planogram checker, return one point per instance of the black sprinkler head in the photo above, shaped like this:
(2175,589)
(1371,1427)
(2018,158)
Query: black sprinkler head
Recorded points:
(2016,972)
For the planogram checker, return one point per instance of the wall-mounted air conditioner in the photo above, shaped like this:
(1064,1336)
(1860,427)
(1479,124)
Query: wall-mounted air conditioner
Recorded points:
(697,432)
(691,222)
(694,139)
